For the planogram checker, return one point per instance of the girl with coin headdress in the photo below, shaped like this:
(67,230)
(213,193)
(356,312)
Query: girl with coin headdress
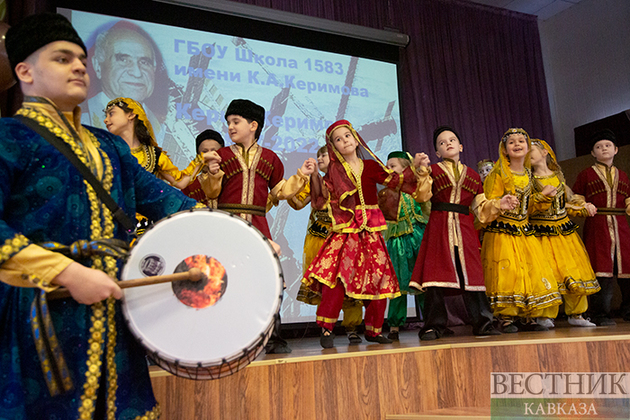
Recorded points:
(559,238)
(126,118)
(519,281)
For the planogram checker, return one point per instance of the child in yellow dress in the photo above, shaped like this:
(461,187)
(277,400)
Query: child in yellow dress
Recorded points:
(519,281)
(319,225)
(126,118)
(557,233)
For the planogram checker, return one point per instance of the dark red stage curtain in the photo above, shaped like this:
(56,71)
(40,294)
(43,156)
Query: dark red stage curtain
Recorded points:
(474,67)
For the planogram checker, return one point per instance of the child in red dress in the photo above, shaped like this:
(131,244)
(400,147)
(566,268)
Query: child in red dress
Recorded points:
(353,260)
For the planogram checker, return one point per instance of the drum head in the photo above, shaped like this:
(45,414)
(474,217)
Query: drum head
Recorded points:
(203,324)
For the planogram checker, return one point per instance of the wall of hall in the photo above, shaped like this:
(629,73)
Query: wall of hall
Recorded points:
(586,54)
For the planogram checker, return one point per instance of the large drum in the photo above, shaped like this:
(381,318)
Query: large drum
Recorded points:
(218,325)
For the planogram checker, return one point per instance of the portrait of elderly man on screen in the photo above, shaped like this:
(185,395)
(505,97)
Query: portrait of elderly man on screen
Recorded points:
(125,62)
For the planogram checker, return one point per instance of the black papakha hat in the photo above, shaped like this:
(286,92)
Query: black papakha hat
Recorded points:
(209,135)
(37,31)
(442,129)
(604,134)
(247,109)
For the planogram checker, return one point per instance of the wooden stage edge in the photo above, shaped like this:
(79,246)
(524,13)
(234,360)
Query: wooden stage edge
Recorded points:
(407,380)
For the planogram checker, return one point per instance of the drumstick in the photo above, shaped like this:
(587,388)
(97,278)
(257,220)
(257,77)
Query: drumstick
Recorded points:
(194,274)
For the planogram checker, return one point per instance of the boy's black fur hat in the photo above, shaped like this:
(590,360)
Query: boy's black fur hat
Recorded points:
(247,109)
(604,134)
(442,129)
(35,32)
(209,135)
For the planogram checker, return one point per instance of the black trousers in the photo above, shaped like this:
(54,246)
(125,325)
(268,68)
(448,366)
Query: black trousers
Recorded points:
(275,335)
(276,340)
(600,303)
(476,303)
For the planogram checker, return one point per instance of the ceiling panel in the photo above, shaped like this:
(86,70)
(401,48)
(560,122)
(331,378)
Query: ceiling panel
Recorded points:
(544,9)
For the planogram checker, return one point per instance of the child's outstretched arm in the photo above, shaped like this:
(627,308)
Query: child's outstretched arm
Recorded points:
(211,179)
(407,181)
(301,199)
(577,206)
(487,210)
(212,159)
(420,160)
(579,189)
(319,192)
(542,199)
(195,167)
(179,179)
(487,206)
(309,166)
(423,191)
(285,189)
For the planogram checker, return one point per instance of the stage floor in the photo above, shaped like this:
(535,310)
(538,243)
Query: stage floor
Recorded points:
(308,348)
(407,380)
